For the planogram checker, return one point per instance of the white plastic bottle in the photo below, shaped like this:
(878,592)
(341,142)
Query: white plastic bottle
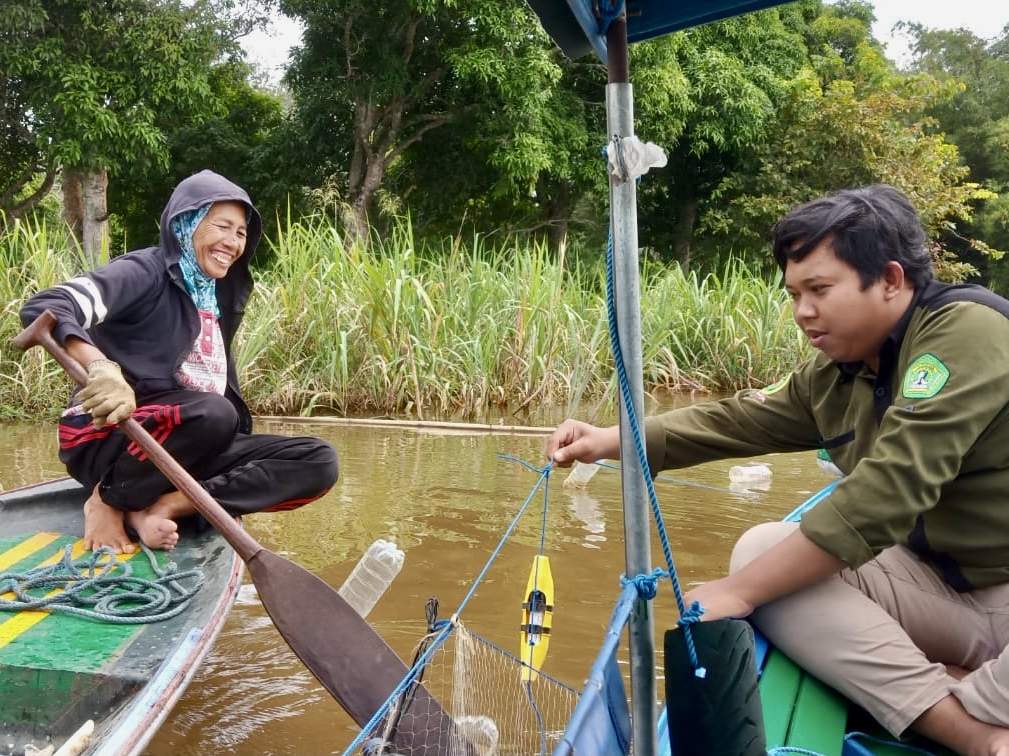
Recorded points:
(371,576)
(752,473)
(580,475)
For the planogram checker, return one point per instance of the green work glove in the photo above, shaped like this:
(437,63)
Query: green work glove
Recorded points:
(107,395)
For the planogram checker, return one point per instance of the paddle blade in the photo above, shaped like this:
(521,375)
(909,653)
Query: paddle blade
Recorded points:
(347,656)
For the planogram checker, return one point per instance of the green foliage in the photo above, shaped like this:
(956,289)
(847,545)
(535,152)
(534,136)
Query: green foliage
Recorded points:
(710,95)
(398,328)
(474,80)
(976,119)
(34,255)
(85,83)
(850,119)
(235,135)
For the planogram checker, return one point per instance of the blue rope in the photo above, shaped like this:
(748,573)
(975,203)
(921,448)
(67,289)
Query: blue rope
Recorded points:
(106,591)
(647,585)
(639,445)
(543,523)
(792,749)
(448,627)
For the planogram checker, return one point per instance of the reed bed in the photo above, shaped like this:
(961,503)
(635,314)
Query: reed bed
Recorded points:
(437,331)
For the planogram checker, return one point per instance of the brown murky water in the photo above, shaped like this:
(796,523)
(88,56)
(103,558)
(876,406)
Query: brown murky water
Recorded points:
(445,498)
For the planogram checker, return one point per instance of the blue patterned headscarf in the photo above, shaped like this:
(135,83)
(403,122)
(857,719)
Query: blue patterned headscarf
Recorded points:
(201,287)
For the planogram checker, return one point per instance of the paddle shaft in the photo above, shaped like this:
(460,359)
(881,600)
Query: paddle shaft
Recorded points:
(39,333)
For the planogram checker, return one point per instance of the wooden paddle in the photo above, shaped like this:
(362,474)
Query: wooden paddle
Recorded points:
(345,654)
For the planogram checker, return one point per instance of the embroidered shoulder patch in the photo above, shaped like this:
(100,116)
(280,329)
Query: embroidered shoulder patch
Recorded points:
(925,377)
(775,387)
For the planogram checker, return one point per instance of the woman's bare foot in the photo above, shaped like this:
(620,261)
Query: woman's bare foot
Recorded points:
(103,526)
(156,525)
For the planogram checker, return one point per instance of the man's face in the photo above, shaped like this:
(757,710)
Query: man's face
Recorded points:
(841,319)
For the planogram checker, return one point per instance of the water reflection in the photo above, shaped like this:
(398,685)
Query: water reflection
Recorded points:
(445,499)
(587,509)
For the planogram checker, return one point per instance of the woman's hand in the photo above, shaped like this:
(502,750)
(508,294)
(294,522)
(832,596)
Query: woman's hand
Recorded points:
(107,395)
(575,441)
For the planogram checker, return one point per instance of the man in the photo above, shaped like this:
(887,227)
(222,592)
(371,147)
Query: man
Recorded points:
(895,590)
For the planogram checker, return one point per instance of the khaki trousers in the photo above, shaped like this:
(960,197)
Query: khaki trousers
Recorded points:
(882,634)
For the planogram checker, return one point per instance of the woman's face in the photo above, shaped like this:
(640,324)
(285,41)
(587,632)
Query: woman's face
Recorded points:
(219,240)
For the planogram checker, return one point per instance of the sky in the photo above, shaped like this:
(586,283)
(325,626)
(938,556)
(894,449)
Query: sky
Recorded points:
(986,18)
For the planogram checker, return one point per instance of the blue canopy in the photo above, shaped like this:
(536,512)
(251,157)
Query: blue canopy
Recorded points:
(575,27)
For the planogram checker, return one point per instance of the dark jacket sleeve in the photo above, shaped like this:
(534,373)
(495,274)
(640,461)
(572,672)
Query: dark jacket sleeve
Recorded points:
(92,298)
(754,421)
(921,441)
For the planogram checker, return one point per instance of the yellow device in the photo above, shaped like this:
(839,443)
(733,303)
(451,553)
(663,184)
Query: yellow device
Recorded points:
(537,617)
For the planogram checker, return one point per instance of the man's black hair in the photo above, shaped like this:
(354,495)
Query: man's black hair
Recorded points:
(867,228)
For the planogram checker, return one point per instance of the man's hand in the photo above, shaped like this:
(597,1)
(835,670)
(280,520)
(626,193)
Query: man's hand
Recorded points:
(720,601)
(574,441)
(789,566)
(107,395)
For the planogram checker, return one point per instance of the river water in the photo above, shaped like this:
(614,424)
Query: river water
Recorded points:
(445,498)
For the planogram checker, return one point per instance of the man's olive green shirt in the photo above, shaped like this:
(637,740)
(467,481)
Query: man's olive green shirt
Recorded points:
(924,444)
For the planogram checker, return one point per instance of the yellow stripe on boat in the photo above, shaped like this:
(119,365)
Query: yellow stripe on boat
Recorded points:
(26,548)
(537,618)
(26,620)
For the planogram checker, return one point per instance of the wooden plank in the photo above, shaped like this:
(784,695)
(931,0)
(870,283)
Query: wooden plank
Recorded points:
(779,687)
(819,718)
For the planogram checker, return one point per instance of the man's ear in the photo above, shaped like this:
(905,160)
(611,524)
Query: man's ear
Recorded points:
(893,279)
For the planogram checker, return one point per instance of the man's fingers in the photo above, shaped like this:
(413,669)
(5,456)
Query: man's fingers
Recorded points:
(565,434)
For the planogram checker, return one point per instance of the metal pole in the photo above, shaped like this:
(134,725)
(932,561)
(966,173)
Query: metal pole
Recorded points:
(637,517)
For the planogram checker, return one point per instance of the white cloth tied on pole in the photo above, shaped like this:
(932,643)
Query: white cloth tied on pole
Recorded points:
(634,158)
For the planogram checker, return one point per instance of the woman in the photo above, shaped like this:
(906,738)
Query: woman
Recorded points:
(154,328)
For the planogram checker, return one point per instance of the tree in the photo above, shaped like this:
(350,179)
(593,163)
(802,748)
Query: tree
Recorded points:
(711,95)
(236,139)
(90,81)
(465,175)
(848,119)
(976,120)
(372,80)
(26,171)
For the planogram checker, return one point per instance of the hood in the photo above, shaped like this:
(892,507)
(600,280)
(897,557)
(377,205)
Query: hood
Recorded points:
(194,192)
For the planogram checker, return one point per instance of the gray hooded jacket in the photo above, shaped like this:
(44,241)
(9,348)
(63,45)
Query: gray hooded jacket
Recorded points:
(137,310)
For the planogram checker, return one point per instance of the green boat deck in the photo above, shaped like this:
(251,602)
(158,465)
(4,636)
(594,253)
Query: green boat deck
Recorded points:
(802,712)
(58,671)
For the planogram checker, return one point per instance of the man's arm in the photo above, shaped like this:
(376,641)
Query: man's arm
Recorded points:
(788,566)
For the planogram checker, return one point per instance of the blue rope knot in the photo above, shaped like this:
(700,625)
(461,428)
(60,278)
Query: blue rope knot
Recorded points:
(691,616)
(647,585)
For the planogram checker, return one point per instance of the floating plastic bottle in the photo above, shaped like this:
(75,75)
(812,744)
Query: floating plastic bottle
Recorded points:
(580,475)
(372,576)
(749,474)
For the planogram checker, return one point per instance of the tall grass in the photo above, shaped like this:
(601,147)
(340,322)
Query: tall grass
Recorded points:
(392,328)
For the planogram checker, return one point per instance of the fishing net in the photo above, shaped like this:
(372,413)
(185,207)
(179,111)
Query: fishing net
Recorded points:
(492,710)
